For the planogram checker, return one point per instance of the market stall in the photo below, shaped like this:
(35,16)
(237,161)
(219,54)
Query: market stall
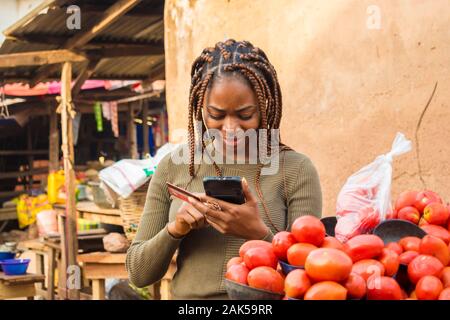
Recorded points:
(132,60)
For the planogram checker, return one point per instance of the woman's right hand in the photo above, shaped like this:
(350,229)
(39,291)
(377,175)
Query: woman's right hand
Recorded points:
(187,219)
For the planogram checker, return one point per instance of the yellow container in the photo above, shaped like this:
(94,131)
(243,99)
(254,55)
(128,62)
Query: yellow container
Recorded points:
(55,187)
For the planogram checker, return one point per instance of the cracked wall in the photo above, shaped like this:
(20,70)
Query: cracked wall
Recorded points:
(352,74)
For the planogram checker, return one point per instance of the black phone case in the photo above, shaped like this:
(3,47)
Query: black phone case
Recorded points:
(228,189)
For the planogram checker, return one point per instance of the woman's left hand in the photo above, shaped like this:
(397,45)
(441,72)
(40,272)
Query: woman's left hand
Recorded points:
(239,220)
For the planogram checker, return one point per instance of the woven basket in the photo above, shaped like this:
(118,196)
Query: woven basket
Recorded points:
(131,210)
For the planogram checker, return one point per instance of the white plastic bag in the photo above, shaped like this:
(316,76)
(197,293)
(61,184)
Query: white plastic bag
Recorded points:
(125,176)
(365,199)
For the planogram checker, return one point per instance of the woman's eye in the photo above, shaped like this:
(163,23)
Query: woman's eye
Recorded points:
(245,117)
(216,117)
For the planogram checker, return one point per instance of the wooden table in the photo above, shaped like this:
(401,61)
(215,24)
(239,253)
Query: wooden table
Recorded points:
(9,213)
(98,266)
(43,248)
(89,210)
(22,286)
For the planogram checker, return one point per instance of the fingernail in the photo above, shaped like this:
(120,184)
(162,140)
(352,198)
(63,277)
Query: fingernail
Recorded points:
(190,199)
(245,181)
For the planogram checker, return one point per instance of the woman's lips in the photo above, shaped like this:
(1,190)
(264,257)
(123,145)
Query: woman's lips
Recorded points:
(232,141)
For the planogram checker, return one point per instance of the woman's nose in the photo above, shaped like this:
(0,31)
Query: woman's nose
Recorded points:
(230,124)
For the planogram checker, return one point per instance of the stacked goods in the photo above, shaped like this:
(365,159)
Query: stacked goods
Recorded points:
(425,209)
(323,268)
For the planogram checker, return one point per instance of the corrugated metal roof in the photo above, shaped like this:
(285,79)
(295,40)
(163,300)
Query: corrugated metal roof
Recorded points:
(143,25)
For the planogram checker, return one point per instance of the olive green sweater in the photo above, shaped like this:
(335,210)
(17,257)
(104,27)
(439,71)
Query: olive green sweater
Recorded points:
(203,253)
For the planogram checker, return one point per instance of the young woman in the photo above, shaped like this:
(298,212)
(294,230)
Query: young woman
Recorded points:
(234,90)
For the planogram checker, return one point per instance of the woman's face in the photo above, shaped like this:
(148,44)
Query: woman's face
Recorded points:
(231,107)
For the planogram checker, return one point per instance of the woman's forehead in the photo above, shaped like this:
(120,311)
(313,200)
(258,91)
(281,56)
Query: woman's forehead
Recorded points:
(230,93)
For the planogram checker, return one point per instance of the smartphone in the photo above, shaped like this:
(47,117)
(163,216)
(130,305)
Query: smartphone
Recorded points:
(180,193)
(228,189)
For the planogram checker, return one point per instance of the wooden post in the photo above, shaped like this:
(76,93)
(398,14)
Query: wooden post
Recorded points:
(131,133)
(30,156)
(145,149)
(53,149)
(70,245)
(162,125)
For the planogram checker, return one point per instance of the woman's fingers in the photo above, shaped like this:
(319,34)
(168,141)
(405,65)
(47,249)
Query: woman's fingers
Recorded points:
(188,219)
(197,215)
(215,224)
(249,197)
(204,209)
(225,206)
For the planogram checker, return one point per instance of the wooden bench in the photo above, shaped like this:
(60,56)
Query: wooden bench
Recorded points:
(22,286)
(98,266)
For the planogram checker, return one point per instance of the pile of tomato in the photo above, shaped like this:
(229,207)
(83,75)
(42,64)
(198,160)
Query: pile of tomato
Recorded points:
(426,209)
(327,269)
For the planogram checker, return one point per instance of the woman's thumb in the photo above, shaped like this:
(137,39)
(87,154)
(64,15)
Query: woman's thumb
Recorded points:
(247,193)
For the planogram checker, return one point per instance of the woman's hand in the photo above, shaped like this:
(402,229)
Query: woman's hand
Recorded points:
(239,220)
(187,219)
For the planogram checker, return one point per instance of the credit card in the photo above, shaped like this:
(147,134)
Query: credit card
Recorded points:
(180,193)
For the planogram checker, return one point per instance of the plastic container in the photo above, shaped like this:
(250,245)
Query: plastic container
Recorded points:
(55,184)
(14,267)
(99,196)
(6,255)
(286,267)
(238,291)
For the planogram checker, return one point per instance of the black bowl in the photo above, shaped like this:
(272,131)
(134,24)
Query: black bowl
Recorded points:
(330,225)
(286,267)
(238,291)
(395,229)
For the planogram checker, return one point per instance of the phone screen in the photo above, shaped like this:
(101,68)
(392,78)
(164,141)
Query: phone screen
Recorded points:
(228,188)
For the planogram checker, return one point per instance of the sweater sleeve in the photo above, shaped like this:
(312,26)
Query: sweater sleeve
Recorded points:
(149,255)
(304,193)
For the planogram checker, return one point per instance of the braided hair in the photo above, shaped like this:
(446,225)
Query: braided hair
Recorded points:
(235,58)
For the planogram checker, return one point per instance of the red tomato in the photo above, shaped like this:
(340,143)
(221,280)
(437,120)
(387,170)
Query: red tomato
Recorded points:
(356,286)
(365,246)
(410,243)
(407,256)
(308,229)
(445,277)
(424,265)
(436,213)
(423,222)
(395,247)
(409,214)
(437,231)
(328,264)
(368,268)
(445,294)
(332,242)
(390,261)
(428,288)
(296,284)
(258,257)
(253,244)
(424,198)
(435,247)
(383,288)
(281,243)
(233,261)
(237,273)
(297,253)
(405,199)
(266,278)
(326,290)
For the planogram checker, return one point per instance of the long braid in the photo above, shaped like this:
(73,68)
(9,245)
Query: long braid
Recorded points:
(251,63)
